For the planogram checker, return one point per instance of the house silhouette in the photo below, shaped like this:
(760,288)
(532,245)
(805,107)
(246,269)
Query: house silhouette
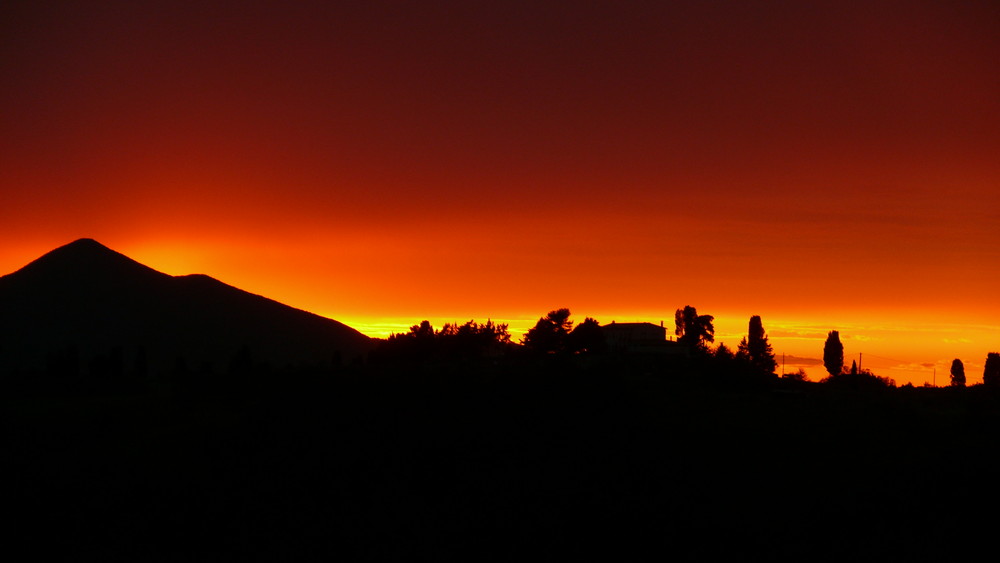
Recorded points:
(640,338)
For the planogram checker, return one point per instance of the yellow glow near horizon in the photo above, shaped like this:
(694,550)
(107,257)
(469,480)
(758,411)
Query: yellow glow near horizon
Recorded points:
(907,345)
(916,353)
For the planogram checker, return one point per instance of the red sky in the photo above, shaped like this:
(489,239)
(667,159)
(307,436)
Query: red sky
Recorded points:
(824,166)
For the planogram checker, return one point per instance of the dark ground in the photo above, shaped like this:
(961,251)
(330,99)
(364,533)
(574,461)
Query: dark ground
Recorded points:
(509,466)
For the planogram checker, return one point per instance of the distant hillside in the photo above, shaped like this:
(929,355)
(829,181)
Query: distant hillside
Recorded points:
(84,300)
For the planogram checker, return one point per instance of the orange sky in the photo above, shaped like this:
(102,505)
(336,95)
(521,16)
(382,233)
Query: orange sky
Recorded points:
(826,167)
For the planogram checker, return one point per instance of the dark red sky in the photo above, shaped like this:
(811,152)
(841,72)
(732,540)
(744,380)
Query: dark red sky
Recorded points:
(436,159)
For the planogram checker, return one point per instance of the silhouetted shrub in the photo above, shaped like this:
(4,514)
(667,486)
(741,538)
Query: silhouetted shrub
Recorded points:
(798,375)
(864,379)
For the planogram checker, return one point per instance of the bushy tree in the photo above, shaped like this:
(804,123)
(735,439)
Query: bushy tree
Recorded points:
(693,329)
(957,373)
(755,349)
(798,375)
(420,343)
(423,331)
(494,332)
(587,336)
(473,339)
(991,371)
(550,332)
(723,353)
(833,353)
(861,379)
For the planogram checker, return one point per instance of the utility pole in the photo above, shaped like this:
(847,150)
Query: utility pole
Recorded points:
(782,364)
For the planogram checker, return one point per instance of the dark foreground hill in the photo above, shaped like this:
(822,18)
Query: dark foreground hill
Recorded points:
(84,307)
(563,465)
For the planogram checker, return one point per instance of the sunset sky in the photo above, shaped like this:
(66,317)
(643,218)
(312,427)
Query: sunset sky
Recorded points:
(821,165)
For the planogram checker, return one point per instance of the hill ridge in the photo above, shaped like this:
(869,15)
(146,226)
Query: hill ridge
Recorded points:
(86,296)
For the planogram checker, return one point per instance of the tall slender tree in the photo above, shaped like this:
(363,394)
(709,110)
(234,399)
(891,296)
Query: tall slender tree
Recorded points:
(991,371)
(755,348)
(957,373)
(693,329)
(833,353)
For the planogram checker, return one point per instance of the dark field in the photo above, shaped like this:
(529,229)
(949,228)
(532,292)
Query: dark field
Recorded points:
(505,466)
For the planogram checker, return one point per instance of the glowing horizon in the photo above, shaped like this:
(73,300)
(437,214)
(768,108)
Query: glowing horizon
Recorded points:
(930,365)
(901,344)
(827,166)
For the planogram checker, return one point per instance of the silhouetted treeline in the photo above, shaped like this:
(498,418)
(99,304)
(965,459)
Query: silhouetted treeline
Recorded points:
(858,380)
(458,444)
(466,342)
(554,334)
(553,341)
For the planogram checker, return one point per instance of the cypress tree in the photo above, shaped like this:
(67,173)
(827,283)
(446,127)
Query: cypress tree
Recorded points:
(991,371)
(833,353)
(756,349)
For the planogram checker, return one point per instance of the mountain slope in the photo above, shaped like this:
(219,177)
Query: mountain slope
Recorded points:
(88,300)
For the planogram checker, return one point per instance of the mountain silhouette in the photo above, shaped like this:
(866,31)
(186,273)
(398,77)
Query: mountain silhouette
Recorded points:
(89,300)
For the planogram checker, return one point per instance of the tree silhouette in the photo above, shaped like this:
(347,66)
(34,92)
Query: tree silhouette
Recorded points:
(858,379)
(991,371)
(755,349)
(587,336)
(833,353)
(693,329)
(722,352)
(422,331)
(798,375)
(494,332)
(957,373)
(454,341)
(550,332)
(474,339)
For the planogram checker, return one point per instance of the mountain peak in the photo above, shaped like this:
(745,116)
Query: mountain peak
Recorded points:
(84,258)
(85,247)
(86,243)
(89,296)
